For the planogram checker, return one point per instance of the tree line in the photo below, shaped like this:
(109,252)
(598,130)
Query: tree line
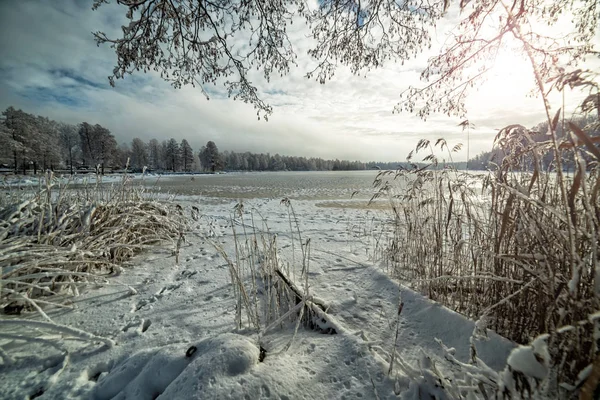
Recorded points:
(30,142)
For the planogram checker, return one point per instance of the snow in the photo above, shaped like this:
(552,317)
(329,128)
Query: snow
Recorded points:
(176,308)
(143,375)
(531,360)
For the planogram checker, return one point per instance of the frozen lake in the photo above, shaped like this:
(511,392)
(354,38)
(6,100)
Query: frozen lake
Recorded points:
(161,306)
(311,185)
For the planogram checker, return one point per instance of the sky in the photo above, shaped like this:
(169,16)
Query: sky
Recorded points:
(50,65)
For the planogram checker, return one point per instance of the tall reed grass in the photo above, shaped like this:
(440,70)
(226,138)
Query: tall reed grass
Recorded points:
(271,288)
(516,247)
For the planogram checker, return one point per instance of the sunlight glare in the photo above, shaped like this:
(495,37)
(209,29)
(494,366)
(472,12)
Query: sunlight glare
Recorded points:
(509,79)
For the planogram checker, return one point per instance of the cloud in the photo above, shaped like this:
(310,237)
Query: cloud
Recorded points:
(51,66)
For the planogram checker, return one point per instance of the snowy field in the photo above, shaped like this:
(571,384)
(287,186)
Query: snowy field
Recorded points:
(174,335)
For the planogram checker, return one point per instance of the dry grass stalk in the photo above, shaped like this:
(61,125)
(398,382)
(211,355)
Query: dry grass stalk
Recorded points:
(507,246)
(264,288)
(59,238)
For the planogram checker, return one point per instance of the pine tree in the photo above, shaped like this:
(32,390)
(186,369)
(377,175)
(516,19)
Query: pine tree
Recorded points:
(172,155)
(210,158)
(187,155)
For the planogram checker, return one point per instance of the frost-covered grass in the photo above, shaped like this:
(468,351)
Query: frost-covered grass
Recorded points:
(507,249)
(56,240)
(271,291)
(263,298)
(477,244)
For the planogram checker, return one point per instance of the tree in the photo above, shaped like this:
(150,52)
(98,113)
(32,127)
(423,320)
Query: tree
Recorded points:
(172,155)
(18,134)
(69,140)
(263,162)
(106,147)
(139,153)
(276,163)
(122,157)
(202,156)
(200,39)
(163,155)
(5,142)
(210,157)
(33,140)
(98,145)
(187,155)
(45,143)
(87,138)
(154,155)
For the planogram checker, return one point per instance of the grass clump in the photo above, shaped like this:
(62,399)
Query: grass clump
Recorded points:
(59,237)
(516,248)
(272,290)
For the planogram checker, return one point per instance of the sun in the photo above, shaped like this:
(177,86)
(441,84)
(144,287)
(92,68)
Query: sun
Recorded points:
(511,62)
(507,82)
(510,73)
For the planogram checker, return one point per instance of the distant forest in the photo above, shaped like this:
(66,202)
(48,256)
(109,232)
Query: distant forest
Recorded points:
(32,143)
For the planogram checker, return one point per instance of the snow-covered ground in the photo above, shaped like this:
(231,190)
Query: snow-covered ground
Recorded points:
(175,338)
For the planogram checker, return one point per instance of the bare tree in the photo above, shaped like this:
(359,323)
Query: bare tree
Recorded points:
(46,143)
(154,154)
(5,142)
(33,140)
(122,157)
(194,42)
(18,132)
(97,144)
(520,26)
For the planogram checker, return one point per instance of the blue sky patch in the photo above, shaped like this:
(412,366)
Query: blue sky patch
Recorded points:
(59,73)
(43,95)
